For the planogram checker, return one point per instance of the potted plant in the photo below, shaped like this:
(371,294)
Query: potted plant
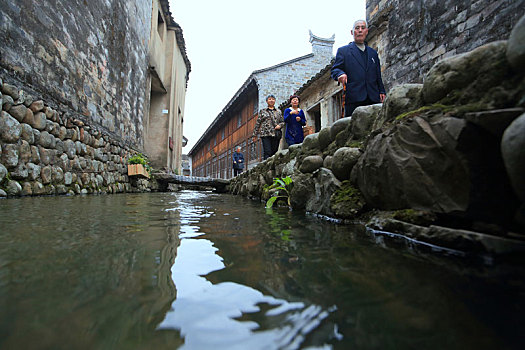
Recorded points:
(138,165)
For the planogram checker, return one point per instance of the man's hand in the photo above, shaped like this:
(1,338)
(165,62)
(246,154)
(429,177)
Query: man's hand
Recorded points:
(298,119)
(382,97)
(342,78)
(277,127)
(254,139)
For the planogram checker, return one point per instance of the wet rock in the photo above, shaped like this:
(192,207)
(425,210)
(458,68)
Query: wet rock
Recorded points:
(10,90)
(13,188)
(513,151)
(27,133)
(68,178)
(494,121)
(62,133)
(474,77)
(325,138)
(3,194)
(37,106)
(363,119)
(401,98)
(39,121)
(25,151)
(69,148)
(402,168)
(347,202)
(310,144)
(18,112)
(7,102)
(47,140)
(343,161)
(311,164)
(3,172)
(46,174)
(325,185)
(35,155)
(61,189)
(27,189)
(10,155)
(33,171)
(327,162)
(516,46)
(339,126)
(38,189)
(20,172)
(58,175)
(10,129)
(464,240)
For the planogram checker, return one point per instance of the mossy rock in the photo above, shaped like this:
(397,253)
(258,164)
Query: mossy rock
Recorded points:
(416,217)
(347,202)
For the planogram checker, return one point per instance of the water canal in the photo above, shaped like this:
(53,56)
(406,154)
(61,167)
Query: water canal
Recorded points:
(197,270)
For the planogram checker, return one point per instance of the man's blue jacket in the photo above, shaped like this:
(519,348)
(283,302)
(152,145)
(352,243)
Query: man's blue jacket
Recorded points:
(236,158)
(362,80)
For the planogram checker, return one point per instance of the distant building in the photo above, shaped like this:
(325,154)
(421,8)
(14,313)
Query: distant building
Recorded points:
(211,155)
(186,165)
(321,100)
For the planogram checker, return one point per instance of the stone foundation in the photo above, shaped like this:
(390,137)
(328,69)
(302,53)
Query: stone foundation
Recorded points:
(48,150)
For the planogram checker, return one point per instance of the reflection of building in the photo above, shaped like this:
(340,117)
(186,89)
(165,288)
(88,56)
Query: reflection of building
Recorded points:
(169,69)
(212,154)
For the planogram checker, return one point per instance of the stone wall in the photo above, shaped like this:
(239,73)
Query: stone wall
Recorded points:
(45,151)
(73,81)
(88,56)
(413,35)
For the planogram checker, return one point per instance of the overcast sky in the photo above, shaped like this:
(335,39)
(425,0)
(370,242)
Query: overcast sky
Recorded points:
(227,40)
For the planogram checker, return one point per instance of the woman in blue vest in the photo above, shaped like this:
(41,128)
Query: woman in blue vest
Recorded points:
(295,120)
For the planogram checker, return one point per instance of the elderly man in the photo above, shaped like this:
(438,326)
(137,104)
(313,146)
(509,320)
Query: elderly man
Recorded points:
(357,66)
(238,161)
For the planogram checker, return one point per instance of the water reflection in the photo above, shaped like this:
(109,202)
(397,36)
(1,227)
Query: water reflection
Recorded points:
(200,270)
(210,315)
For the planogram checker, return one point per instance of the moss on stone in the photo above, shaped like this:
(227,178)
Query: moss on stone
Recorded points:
(413,216)
(347,201)
(435,107)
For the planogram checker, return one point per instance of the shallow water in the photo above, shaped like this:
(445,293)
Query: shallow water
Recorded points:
(196,270)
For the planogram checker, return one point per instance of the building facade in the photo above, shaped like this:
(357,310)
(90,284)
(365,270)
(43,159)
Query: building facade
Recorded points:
(212,154)
(76,80)
(168,72)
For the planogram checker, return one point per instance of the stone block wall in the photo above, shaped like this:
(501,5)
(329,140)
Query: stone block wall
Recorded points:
(88,56)
(46,151)
(413,35)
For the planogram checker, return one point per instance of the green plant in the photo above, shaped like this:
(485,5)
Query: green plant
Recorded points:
(280,188)
(140,158)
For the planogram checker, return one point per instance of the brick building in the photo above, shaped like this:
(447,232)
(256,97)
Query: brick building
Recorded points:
(211,155)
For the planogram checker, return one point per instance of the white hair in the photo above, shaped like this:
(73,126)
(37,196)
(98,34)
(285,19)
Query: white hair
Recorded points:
(359,21)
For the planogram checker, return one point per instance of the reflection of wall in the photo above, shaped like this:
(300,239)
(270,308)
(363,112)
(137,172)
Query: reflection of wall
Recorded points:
(93,272)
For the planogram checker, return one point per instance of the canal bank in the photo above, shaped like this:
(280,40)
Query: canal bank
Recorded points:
(440,162)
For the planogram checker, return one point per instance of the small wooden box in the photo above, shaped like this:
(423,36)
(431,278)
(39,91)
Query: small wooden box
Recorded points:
(308,130)
(137,169)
